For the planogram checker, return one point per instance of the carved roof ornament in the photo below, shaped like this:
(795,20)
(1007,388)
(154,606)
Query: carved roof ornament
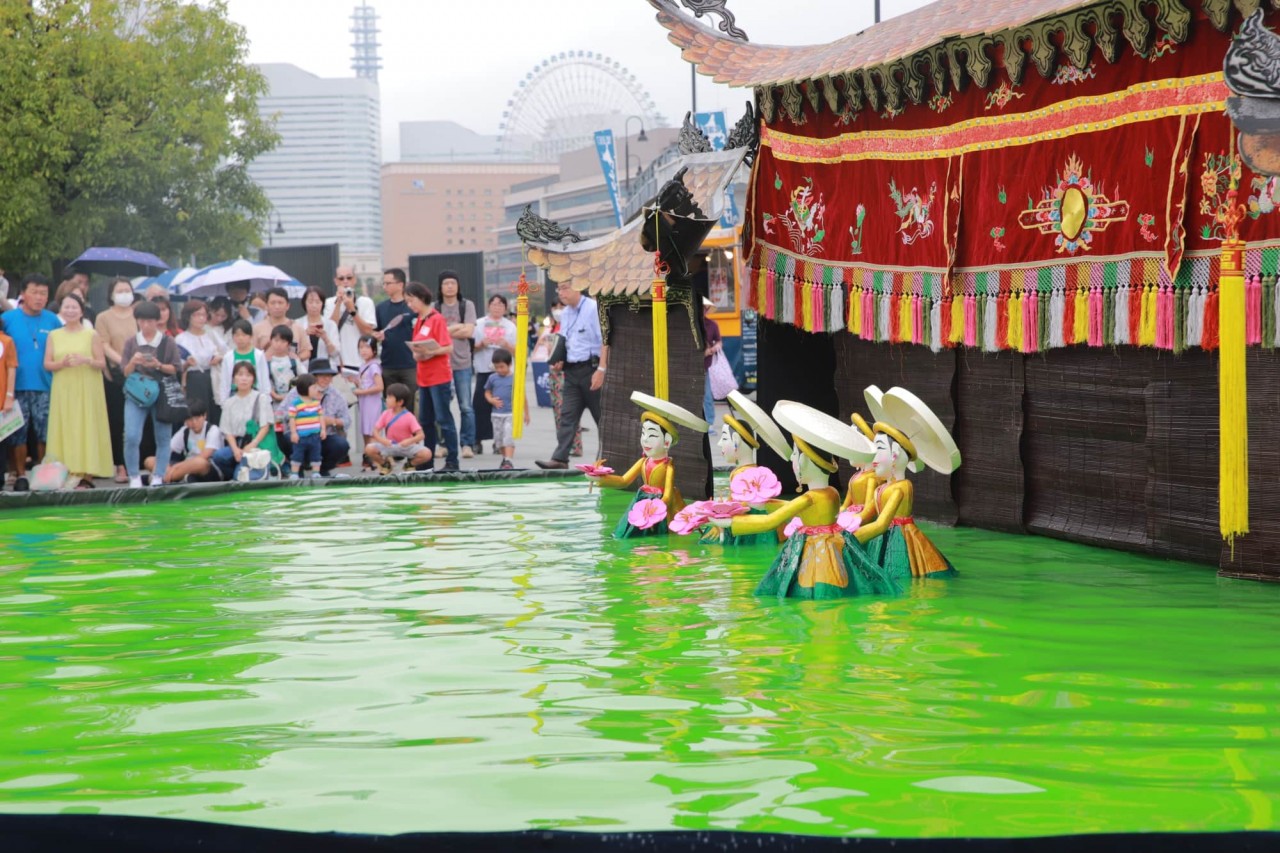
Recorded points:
(616,264)
(532,228)
(746,134)
(727,23)
(1252,71)
(932,50)
(691,139)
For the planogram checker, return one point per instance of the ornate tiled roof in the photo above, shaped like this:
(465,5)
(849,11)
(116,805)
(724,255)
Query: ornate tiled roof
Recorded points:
(616,263)
(931,50)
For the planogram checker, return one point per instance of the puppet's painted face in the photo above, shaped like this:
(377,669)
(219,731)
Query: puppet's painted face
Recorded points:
(654,441)
(730,445)
(887,451)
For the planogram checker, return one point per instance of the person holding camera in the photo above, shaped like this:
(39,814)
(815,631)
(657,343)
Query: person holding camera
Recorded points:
(355,317)
(586,358)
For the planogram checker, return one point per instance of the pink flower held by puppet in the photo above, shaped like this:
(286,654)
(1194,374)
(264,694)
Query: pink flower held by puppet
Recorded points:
(849,520)
(647,513)
(755,485)
(688,520)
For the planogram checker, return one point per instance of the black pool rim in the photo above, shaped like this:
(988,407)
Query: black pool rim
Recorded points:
(98,833)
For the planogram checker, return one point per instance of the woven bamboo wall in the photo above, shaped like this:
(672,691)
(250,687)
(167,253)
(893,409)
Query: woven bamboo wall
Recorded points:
(793,365)
(990,487)
(1258,554)
(631,369)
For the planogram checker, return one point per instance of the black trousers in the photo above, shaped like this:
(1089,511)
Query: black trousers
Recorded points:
(576,398)
(484,412)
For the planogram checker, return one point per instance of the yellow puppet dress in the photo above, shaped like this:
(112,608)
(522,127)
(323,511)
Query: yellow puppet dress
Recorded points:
(659,481)
(814,562)
(891,542)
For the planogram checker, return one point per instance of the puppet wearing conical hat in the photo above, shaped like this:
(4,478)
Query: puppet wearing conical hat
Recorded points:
(863,483)
(741,435)
(655,469)
(813,563)
(908,435)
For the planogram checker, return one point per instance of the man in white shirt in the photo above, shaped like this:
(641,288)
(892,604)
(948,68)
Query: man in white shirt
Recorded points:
(354,315)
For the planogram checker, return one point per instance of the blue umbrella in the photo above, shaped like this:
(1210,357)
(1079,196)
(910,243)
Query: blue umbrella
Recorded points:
(169,279)
(115,261)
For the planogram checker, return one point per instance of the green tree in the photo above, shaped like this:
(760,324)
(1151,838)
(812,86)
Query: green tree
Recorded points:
(127,122)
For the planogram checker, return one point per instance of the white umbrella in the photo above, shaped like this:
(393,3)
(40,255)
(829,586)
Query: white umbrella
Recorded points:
(213,280)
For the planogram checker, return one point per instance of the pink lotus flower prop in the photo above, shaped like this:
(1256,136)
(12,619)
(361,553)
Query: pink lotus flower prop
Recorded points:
(688,520)
(647,513)
(726,509)
(594,470)
(755,485)
(792,526)
(849,520)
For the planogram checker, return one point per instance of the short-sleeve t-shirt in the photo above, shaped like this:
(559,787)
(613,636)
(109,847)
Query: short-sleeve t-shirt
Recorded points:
(502,388)
(30,337)
(433,371)
(462,311)
(405,425)
(188,444)
(395,350)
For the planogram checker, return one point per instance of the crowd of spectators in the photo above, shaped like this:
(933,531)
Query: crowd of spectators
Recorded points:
(345,379)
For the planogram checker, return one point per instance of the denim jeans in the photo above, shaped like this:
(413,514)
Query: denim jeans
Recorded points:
(434,402)
(134,417)
(466,411)
(306,449)
(709,405)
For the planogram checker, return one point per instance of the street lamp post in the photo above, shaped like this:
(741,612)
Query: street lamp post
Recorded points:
(626,132)
(279,229)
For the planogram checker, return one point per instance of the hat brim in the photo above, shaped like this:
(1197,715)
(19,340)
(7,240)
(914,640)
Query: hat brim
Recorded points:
(933,442)
(676,414)
(765,429)
(824,432)
(875,402)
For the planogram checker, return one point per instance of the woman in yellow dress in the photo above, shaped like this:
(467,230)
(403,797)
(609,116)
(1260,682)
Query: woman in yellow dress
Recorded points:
(910,436)
(79,433)
(656,470)
(814,562)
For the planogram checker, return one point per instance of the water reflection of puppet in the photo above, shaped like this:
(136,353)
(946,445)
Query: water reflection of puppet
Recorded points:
(657,500)
(907,435)
(813,563)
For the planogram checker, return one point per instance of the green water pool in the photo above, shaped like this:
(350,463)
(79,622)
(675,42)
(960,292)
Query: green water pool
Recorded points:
(485,657)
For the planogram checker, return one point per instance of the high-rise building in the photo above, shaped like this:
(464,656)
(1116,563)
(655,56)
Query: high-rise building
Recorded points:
(323,178)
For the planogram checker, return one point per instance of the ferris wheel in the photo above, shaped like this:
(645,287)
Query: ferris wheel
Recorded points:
(565,99)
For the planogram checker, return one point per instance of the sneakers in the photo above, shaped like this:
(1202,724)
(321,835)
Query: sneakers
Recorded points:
(316,475)
(293,475)
(385,468)
(156,482)
(134,483)
(467,453)
(451,468)
(506,465)
(21,485)
(552,464)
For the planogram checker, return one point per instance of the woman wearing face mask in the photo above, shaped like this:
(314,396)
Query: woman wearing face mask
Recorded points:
(77,402)
(115,326)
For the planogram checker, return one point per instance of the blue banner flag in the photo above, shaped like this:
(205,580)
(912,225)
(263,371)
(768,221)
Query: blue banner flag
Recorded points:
(609,166)
(717,132)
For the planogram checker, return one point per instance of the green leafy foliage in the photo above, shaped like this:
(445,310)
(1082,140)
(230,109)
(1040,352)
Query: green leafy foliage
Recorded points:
(127,123)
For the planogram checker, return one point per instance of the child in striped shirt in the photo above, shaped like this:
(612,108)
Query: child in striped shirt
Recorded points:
(306,425)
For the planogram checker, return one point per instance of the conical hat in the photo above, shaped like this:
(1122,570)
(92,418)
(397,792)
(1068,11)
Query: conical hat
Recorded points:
(934,445)
(874,397)
(676,414)
(823,432)
(765,429)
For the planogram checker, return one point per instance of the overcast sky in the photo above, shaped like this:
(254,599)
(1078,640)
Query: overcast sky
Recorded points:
(462,59)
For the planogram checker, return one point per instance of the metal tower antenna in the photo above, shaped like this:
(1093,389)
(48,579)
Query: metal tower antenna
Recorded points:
(364,30)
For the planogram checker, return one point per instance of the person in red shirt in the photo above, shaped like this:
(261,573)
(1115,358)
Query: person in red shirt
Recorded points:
(431,345)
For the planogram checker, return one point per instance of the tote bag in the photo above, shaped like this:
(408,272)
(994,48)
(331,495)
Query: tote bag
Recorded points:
(721,377)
